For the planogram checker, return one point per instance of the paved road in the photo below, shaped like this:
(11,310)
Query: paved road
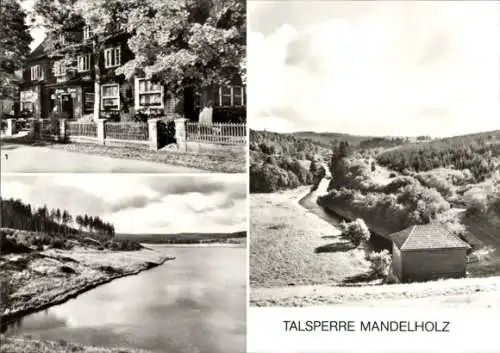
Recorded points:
(36,159)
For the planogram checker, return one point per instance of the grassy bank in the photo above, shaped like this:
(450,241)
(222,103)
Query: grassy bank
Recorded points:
(286,239)
(25,344)
(36,280)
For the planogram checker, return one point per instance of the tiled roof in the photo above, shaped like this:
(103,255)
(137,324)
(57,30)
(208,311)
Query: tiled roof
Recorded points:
(426,236)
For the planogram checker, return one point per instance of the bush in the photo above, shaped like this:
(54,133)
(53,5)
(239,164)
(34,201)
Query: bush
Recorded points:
(380,262)
(356,231)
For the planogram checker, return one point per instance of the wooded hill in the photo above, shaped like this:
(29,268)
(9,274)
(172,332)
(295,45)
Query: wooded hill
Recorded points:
(18,215)
(183,238)
(283,161)
(479,153)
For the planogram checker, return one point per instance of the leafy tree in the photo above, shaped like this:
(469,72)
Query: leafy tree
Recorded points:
(14,44)
(356,231)
(181,43)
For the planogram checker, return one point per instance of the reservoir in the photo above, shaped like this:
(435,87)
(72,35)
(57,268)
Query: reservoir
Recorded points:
(195,303)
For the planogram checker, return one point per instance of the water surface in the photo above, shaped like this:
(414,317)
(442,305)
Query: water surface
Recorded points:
(196,303)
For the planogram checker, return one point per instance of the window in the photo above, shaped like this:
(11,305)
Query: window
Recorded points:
(112,57)
(26,99)
(87,33)
(62,38)
(36,73)
(59,69)
(148,94)
(110,96)
(84,63)
(231,96)
(88,102)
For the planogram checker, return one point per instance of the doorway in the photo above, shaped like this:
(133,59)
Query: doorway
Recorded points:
(67,106)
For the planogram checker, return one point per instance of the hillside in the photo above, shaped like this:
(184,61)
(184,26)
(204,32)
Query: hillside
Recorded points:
(283,161)
(478,153)
(184,238)
(326,138)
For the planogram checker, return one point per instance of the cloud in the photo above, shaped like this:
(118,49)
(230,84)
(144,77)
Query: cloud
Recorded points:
(141,204)
(379,70)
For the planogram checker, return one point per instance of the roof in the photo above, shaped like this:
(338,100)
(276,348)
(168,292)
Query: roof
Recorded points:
(39,51)
(427,236)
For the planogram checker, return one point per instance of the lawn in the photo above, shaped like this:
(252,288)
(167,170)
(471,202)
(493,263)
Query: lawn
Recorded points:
(284,239)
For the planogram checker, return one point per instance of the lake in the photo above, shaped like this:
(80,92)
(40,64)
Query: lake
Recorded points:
(195,303)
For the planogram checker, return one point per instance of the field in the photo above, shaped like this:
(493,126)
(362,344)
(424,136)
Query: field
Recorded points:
(284,240)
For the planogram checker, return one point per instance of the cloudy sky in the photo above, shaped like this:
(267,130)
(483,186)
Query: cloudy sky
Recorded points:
(141,204)
(374,68)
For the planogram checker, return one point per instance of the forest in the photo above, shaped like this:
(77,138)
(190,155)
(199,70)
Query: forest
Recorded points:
(474,152)
(283,161)
(18,215)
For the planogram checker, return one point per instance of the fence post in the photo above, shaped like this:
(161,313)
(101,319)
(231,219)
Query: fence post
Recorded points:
(11,127)
(101,137)
(153,134)
(62,130)
(180,134)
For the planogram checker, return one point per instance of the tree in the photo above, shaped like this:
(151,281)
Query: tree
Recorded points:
(356,231)
(14,44)
(178,42)
(79,222)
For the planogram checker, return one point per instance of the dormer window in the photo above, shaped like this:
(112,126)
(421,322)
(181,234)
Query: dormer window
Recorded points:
(36,73)
(62,38)
(112,57)
(59,69)
(87,33)
(83,63)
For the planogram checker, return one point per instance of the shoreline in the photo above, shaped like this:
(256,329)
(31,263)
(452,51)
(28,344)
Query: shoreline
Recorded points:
(8,318)
(213,245)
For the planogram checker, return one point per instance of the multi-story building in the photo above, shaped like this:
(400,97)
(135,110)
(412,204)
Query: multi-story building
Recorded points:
(51,85)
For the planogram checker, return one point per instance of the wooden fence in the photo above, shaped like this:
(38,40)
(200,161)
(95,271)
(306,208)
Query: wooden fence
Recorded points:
(217,133)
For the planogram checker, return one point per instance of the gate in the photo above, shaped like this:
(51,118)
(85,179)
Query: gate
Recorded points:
(165,133)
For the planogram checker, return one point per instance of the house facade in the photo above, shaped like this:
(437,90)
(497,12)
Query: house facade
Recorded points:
(428,252)
(52,85)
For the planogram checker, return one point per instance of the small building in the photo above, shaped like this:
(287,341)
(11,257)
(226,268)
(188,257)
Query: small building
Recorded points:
(428,252)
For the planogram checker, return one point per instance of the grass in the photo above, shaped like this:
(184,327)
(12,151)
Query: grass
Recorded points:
(223,159)
(285,239)
(25,344)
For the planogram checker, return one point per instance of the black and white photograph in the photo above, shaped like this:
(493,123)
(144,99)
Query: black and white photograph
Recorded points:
(374,153)
(123,86)
(123,263)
